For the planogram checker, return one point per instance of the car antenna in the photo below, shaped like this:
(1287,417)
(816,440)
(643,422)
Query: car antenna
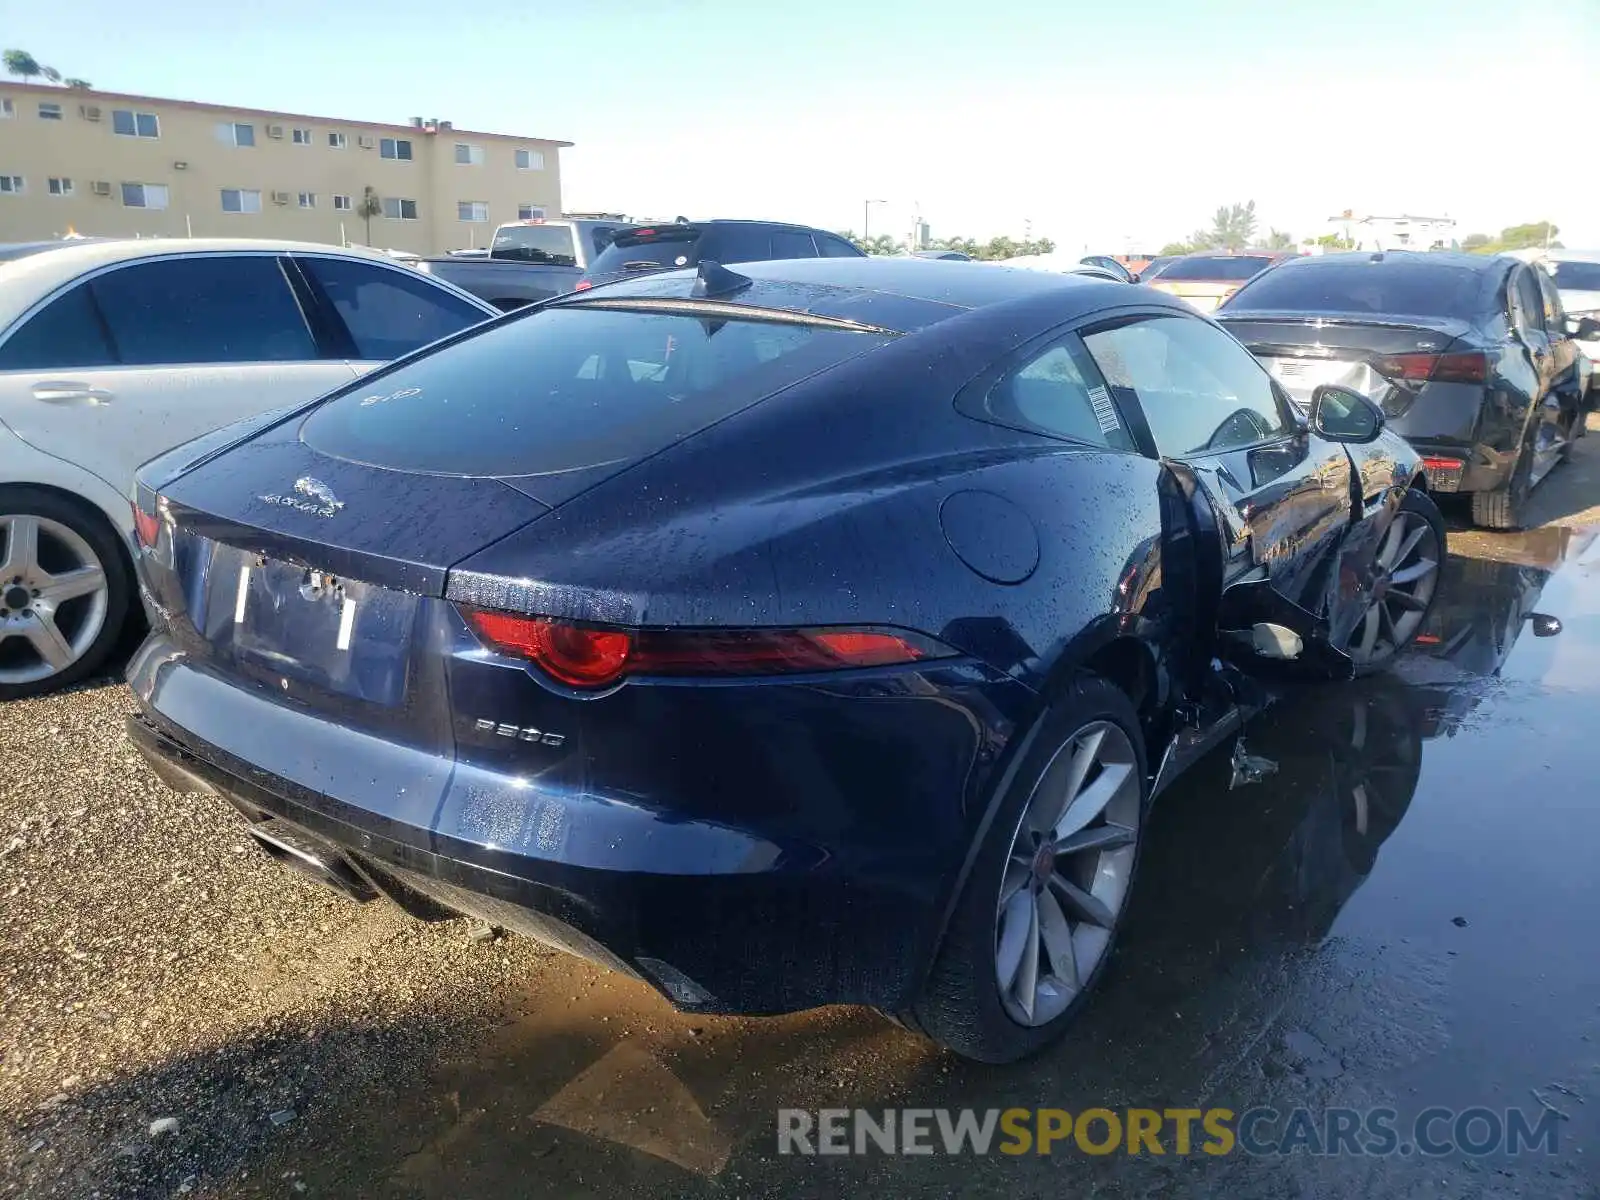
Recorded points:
(713,279)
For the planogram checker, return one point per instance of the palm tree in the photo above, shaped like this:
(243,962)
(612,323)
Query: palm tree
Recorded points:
(82,85)
(22,64)
(1277,239)
(369,207)
(51,74)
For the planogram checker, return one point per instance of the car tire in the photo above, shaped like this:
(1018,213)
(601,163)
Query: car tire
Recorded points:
(1416,508)
(961,1005)
(1503,507)
(65,535)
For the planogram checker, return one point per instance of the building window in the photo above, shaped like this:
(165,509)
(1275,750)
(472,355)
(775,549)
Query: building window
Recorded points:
(308,199)
(60,187)
(342,204)
(50,112)
(237,133)
(530,212)
(144,195)
(394,148)
(301,137)
(337,141)
(11,185)
(7,109)
(468,155)
(127,123)
(530,160)
(241,200)
(472,210)
(399,210)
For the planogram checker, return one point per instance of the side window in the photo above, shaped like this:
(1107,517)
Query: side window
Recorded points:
(1527,303)
(600,237)
(66,333)
(1057,392)
(737,244)
(787,243)
(388,311)
(832,247)
(222,309)
(1201,392)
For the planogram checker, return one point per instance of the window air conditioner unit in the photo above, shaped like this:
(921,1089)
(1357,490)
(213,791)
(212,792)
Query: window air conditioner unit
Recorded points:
(280,197)
(100,188)
(275,131)
(89,112)
(365,142)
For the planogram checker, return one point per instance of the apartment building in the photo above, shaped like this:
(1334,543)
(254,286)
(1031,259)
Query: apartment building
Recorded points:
(102,163)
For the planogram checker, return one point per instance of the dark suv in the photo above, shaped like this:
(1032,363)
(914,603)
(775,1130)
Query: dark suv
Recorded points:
(687,243)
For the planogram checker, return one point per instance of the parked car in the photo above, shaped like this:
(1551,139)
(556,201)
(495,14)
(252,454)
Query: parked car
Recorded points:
(1111,266)
(1457,349)
(950,255)
(1066,263)
(1206,280)
(110,352)
(1155,266)
(814,632)
(688,243)
(528,261)
(1576,274)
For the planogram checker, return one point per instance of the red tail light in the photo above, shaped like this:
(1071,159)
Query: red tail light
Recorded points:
(1471,367)
(583,285)
(593,656)
(146,527)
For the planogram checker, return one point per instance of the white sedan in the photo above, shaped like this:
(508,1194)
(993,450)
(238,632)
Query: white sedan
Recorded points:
(113,351)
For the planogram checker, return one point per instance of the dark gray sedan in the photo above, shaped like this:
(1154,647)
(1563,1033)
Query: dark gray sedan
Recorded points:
(1462,351)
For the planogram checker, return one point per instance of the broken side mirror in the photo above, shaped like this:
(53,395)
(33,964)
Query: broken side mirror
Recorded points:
(1342,415)
(1585,329)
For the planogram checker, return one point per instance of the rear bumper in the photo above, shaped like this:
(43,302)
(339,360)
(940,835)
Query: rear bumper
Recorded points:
(719,917)
(1463,423)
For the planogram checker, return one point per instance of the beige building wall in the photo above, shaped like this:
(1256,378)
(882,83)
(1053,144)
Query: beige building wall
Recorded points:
(195,155)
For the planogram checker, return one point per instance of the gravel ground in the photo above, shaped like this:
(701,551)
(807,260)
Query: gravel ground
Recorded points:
(156,966)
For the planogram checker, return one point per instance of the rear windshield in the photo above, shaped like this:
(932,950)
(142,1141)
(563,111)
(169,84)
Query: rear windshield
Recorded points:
(567,388)
(1410,288)
(633,252)
(1227,270)
(1578,276)
(549,244)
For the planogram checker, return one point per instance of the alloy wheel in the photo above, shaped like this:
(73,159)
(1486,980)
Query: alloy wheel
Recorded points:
(1066,880)
(1406,574)
(54,596)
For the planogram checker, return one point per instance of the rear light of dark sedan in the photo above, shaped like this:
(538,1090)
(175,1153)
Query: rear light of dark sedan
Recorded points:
(1470,367)
(589,656)
(146,527)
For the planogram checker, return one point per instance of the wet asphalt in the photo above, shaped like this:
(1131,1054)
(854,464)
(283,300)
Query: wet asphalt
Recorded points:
(1401,916)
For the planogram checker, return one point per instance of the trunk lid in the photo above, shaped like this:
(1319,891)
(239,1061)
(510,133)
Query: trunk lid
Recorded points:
(1373,357)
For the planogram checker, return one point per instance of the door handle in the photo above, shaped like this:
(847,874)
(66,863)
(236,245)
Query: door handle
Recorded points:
(56,392)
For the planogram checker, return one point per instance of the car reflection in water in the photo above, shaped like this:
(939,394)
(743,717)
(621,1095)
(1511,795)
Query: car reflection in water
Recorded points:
(1275,861)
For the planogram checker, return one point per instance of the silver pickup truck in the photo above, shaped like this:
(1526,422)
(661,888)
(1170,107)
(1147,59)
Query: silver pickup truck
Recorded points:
(528,261)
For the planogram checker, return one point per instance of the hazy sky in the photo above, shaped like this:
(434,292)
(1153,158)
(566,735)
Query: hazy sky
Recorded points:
(1118,124)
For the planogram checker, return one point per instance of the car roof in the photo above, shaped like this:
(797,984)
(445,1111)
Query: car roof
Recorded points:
(26,280)
(900,293)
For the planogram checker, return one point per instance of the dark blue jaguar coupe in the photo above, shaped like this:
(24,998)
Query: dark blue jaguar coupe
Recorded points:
(814,632)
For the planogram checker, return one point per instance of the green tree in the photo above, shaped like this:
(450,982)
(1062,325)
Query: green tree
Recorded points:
(81,85)
(1277,239)
(1173,248)
(1515,237)
(1332,241)
(1232,228)
(22,64)
(51,74)
(1475,241)
(370,206)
